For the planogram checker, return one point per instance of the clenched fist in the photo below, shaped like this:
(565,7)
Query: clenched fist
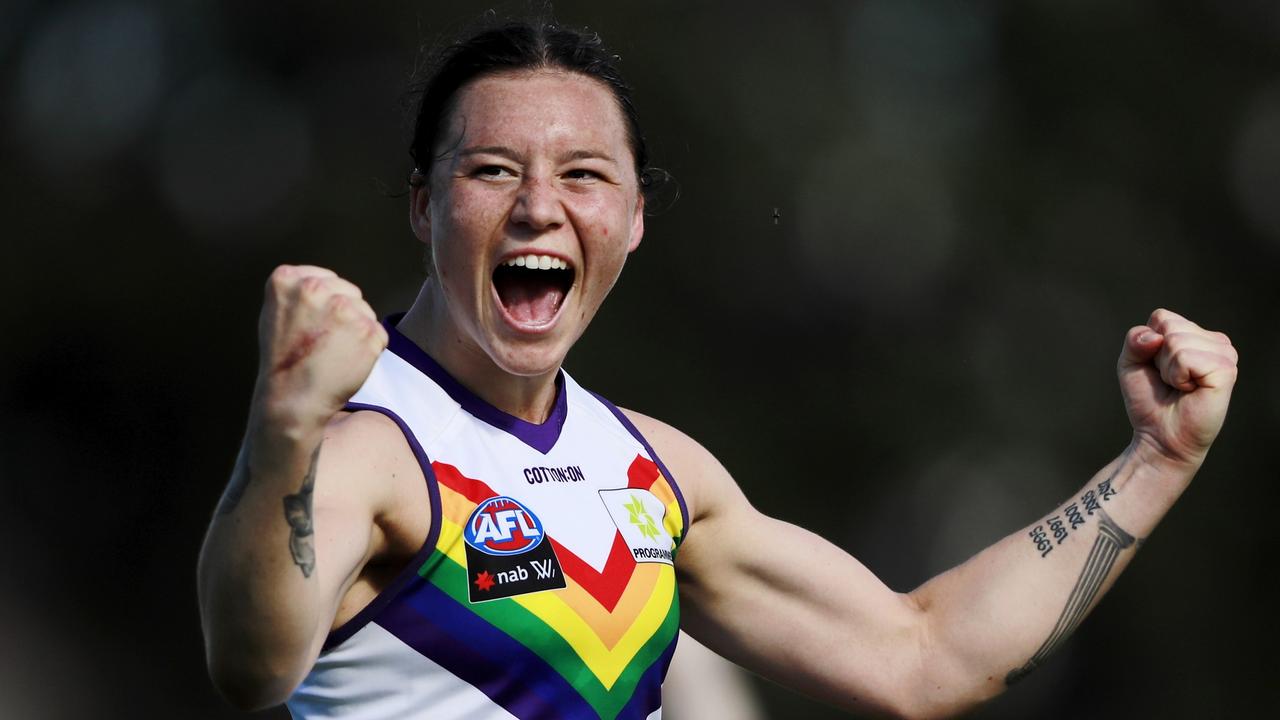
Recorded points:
(318,340)
(1176,378)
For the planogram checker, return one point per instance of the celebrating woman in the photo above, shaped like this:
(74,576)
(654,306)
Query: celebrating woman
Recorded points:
(430,518)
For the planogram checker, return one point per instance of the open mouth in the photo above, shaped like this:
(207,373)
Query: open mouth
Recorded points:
(532,287)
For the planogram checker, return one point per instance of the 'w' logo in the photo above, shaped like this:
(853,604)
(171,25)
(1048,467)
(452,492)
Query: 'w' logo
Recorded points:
(543,568)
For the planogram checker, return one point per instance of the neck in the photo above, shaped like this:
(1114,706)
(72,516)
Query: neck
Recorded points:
(427,324)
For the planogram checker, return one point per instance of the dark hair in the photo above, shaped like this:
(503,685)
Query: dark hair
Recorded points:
(513,46)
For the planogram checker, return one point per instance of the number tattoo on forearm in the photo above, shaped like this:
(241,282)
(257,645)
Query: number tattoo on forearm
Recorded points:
(1111,540)
(297,512)
(1074,515)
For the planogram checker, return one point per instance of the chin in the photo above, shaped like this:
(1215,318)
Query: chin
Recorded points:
(534,359)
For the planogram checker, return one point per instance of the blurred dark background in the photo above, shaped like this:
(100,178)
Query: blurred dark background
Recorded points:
(913,356)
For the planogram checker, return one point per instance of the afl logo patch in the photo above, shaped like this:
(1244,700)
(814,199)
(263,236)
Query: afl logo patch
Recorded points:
(502,526)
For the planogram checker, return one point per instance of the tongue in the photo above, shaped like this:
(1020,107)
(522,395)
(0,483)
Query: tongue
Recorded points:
(530,299)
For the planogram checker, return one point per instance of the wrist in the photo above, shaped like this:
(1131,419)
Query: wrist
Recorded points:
(279,416)
(1169,469)
(1162,460)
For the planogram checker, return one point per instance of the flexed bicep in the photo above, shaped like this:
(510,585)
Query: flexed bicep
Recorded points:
(782,601)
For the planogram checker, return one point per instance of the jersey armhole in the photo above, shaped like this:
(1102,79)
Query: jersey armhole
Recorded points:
(671,479)
(410,571)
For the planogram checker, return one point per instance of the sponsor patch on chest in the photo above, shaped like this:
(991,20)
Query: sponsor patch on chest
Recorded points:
(506,552)
(639,515)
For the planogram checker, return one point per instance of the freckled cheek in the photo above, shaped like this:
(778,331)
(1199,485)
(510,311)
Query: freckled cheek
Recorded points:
(471,225)
(601,217)
(477,207)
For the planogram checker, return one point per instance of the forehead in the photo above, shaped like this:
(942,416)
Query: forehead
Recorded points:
(530,109)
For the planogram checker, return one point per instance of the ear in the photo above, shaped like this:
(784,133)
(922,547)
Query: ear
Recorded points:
(637,226)
(420,212)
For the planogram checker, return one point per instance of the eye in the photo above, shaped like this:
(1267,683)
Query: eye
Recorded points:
(492,172)
(583,175)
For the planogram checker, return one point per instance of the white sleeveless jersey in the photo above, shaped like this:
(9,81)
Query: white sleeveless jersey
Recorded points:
(546,587)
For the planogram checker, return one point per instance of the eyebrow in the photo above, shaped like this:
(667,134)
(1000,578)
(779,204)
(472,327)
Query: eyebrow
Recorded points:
(506,152)
(490,150)
(588,155)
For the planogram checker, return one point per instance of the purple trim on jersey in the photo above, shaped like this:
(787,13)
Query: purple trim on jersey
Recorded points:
(410,570)
(648,695)
(508,673)
(539,437)
(671,479)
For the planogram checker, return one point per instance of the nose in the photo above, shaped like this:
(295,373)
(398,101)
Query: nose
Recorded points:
(538,205)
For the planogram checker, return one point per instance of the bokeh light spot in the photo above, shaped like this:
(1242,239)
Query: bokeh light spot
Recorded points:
(88,83)
(232,153)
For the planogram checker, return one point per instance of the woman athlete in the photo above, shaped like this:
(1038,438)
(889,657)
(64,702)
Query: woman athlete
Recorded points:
(429,518)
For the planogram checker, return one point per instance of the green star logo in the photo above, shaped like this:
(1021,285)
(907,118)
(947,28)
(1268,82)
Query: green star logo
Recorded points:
(641,518)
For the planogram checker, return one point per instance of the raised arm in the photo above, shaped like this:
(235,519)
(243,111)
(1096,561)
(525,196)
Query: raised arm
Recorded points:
(296,522)
(795,608)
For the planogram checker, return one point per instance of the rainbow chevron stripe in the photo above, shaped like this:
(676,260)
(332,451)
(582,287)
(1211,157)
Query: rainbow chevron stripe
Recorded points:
(597,648)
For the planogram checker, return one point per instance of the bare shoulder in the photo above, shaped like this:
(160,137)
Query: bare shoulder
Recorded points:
(365,438)
(349,431)
(368,468)
(368,422)
(703,480)
(366,459)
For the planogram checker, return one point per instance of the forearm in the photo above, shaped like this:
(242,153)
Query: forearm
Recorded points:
(260,602)
(292,531)
(999,615)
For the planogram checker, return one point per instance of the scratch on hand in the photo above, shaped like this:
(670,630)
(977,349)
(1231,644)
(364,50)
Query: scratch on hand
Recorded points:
(300,350)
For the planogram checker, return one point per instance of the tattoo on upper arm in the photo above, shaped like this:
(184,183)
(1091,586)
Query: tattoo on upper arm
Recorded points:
(297,512)
(239,481)
(1106,548)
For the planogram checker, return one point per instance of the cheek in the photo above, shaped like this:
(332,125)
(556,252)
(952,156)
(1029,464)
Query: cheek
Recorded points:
(469,222)
(604,215)
(472,206)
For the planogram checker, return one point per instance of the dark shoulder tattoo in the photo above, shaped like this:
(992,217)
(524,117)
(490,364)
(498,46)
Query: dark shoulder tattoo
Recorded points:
(297,512)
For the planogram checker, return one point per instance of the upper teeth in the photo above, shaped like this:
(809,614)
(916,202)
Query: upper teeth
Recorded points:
(537,262)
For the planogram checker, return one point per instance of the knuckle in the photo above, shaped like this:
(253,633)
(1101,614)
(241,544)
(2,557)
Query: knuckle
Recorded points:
(280,278)
(311,287)
(1163,320)
(340,306)
(1176,341)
